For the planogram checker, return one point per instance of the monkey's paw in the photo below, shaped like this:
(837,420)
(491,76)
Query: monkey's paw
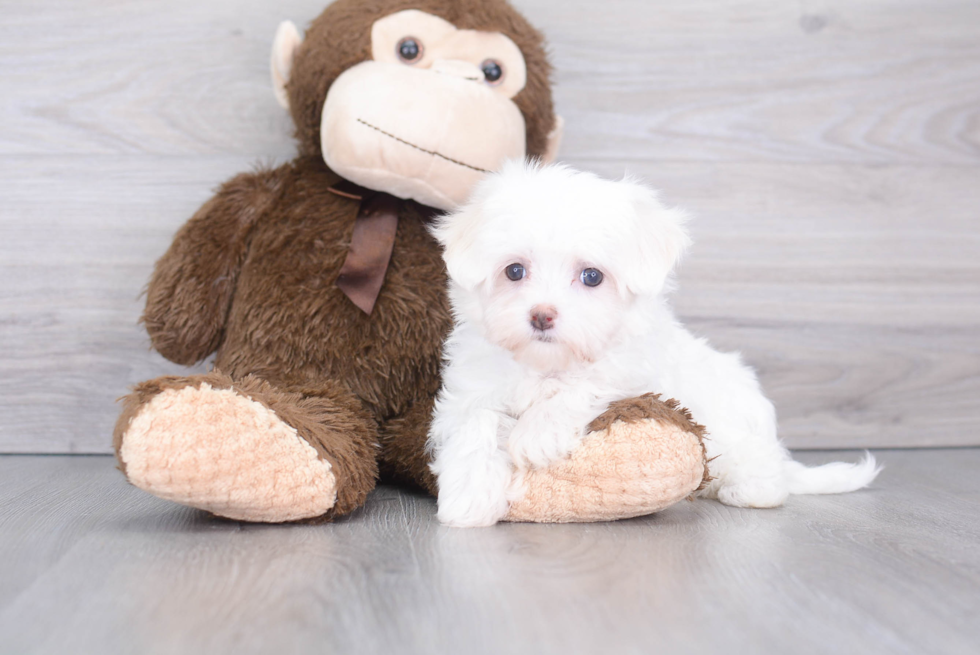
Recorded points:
(639,457)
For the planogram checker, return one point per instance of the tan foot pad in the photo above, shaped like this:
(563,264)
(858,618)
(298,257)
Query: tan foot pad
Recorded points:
(222,452)
(628,469)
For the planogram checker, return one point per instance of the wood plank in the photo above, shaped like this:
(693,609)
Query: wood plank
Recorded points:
(89,564)
(833,81)
(839,81)
(152,77)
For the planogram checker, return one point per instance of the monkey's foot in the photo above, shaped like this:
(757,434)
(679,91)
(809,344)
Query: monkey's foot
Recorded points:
(221,451)
(641,456)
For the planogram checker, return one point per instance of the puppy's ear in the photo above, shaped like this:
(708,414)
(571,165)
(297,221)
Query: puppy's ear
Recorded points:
(457,232)
(658,241)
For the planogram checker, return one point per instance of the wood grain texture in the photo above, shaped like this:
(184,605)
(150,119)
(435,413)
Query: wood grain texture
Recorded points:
(829,150)
(89,564)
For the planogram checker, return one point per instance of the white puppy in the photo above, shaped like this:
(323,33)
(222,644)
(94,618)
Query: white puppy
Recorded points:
(557,285)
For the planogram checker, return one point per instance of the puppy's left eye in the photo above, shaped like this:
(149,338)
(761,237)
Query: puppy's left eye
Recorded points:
(514,272)
(591,277)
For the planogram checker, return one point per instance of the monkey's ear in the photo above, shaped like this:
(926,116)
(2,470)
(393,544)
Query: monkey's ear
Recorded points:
(554,141)
(283,48)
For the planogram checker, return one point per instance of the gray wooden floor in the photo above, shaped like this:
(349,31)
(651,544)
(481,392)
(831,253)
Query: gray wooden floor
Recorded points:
(89,564)
(829,149)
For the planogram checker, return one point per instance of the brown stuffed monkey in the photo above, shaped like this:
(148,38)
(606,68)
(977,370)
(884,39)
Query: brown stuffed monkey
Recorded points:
(324,296)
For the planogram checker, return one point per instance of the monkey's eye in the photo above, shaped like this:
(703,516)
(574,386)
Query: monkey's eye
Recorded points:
(591,277)
(409,50)
(515,272)
(492,71)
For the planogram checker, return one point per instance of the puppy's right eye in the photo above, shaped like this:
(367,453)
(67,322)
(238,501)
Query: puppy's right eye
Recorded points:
(515,272)
(591,277)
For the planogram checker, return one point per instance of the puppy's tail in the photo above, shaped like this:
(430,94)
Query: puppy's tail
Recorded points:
(833,478)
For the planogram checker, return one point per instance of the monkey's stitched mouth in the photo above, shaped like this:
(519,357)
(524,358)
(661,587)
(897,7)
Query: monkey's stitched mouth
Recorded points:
(421,149)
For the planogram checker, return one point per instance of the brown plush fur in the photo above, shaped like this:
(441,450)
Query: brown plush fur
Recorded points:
(647,406)
(192,286)
(403,444)
(341,38)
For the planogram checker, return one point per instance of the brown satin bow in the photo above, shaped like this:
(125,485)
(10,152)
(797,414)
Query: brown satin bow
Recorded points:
(372,241)
(371,244)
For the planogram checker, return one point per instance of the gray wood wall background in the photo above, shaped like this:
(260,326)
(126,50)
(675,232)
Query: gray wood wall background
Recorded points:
(829,149)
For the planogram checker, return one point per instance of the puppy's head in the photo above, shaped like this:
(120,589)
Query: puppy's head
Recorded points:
(549,261)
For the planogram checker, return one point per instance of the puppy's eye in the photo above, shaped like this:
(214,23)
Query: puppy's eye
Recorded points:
(409,50)
(492,71)
(515,272)
(591,277)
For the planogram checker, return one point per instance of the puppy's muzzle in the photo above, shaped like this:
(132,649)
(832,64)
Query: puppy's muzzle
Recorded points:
(543,317)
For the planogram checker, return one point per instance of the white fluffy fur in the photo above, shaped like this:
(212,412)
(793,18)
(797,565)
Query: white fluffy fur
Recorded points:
(514,397)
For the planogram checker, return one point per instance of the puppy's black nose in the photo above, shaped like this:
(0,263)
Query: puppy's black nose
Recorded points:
(543,317)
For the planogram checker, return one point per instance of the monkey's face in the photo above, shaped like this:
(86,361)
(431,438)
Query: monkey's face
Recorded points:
(428,115)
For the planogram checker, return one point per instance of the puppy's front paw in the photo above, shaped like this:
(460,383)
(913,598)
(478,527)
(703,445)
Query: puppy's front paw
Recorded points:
(537,441)
(472,510)
(476,495)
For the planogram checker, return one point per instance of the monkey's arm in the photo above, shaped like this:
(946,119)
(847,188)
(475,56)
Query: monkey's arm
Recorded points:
(189,294)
